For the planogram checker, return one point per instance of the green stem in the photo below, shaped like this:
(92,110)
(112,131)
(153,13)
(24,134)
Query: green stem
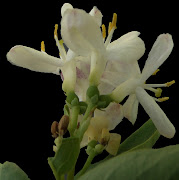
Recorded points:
(91,107)
(85,121)
(71,174)
(73,119)
(87,164)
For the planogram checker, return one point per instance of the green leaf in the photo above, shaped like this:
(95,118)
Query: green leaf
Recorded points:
(66,156)
(10,171)
(145,137)
(148,164)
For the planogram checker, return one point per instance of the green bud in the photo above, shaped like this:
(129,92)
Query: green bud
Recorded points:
(72,99)
(94,99)
(92,92)
(99,148)
(75,102)
(104,101)
(92,143)
(89,150)
(83,107)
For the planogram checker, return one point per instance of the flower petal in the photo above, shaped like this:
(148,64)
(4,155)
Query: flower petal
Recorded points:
(65,7)
(159,53)
(126,88)
(81,33)
(128,48)
(97,15)
(97,124)
(34,60)
(69,75)
(113,113)
(117,72)
(82,83)
(162,123)
(84,141)
(113,144)
(130,108)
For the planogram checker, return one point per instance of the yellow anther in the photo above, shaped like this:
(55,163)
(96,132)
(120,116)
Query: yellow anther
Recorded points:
(109,27)
(158,92)
(104,31)
(114,20)
(163,99)
(55,31)
(156,72)
(43,46)
(170,83)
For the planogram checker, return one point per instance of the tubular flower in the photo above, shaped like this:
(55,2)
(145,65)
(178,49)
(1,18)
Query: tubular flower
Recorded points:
(40,61)
(99,57)
(101,124)
(134,87)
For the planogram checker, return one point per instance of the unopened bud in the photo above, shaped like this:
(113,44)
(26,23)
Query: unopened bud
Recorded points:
(63,125)
(99,148)
(92,94)
(104,101)
(83,107)
(72,99)
(54,129)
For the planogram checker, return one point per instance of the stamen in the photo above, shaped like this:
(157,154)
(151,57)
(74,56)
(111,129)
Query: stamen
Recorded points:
(55,31)
(59,44)
(109,28)
(42,46)
(114,20)
(104,31)
(158,92)
(170,83)
(156,72)
(163,99)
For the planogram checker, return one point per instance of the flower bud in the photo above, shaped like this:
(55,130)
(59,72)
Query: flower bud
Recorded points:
(83,107)
(92,94)
(104,101)
(99,148)
(63,125)
(72,99)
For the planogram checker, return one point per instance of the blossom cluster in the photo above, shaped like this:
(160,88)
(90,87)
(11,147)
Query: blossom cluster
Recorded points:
(92,59)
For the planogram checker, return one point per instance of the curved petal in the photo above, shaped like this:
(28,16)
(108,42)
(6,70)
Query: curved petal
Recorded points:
(34,60)
(82,83)
(162,123)
(128,48)
(97,15)
(113,144)
(130,108)
(65,7)
(159,53)
(113,113)
(81,33)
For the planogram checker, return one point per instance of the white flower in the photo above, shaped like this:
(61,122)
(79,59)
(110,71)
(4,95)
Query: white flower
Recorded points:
(82,34)
(103,122)
(135,86)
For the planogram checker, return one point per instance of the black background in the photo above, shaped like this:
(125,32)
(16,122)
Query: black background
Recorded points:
(31,101)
